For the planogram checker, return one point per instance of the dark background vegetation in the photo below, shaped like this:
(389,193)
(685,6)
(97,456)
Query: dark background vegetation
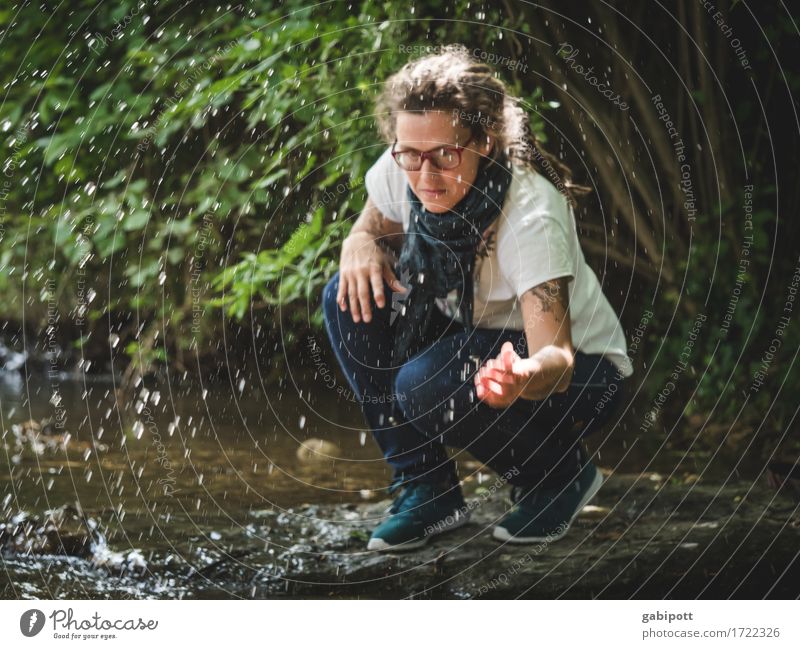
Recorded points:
(182,164)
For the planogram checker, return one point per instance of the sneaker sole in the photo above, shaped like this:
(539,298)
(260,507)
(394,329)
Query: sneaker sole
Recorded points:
(382,546)
(502,534)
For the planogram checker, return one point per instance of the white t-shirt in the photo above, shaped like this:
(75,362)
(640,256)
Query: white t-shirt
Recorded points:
(534,240)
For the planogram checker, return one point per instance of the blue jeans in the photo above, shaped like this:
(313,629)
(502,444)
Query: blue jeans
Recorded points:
(529,443)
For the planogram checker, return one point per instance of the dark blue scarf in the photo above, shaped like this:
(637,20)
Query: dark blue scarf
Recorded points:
(438,254)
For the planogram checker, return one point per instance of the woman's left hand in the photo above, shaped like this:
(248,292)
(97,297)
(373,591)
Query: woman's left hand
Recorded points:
(501,380)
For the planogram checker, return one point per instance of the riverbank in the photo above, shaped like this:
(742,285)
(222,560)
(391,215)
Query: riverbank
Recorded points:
(645,536)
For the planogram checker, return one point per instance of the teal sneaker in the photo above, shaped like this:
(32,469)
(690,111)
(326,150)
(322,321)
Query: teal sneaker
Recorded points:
(545,514)
(420,511)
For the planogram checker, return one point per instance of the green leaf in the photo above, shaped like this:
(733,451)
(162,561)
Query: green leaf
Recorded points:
(136,220)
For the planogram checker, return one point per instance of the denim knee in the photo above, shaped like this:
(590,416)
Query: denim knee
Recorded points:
(403,384)
(423,398)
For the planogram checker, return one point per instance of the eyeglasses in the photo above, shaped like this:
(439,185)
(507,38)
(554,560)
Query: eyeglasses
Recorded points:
(446,157)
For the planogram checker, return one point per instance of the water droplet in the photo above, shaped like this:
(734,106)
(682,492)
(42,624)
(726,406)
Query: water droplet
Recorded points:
(138,429)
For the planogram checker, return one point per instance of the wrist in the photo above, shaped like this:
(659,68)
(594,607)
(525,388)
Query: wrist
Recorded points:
(355,241)
(532,374)
(543,385)
(360,236)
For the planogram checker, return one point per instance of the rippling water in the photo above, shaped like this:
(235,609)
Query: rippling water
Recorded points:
(186,476)
(180,464)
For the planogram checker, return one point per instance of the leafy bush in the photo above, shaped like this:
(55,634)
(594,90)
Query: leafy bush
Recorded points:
(180,154)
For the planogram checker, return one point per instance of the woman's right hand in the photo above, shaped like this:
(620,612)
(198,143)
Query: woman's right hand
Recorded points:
(364,265)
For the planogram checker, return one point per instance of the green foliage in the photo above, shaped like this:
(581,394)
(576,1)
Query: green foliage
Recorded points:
(293,273)
(160,126)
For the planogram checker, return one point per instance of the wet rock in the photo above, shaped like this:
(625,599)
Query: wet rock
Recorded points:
(43,437)
(317,450)
(11,360)
(118,562)
(65,531)
(58,531)
(40,437)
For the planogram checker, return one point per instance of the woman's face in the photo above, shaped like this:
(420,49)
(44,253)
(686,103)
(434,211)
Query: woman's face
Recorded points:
(439,190)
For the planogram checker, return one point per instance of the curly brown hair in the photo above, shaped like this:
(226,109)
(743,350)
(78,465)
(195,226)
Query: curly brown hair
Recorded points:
(454,80)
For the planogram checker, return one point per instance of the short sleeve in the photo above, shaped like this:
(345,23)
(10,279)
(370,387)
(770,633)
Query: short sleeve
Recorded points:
(537,247)
(382,183)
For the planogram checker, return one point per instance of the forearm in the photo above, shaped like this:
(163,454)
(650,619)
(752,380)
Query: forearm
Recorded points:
(372,225)
(550,371)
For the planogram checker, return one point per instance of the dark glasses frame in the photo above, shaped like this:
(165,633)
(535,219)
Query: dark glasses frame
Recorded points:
(458,149)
